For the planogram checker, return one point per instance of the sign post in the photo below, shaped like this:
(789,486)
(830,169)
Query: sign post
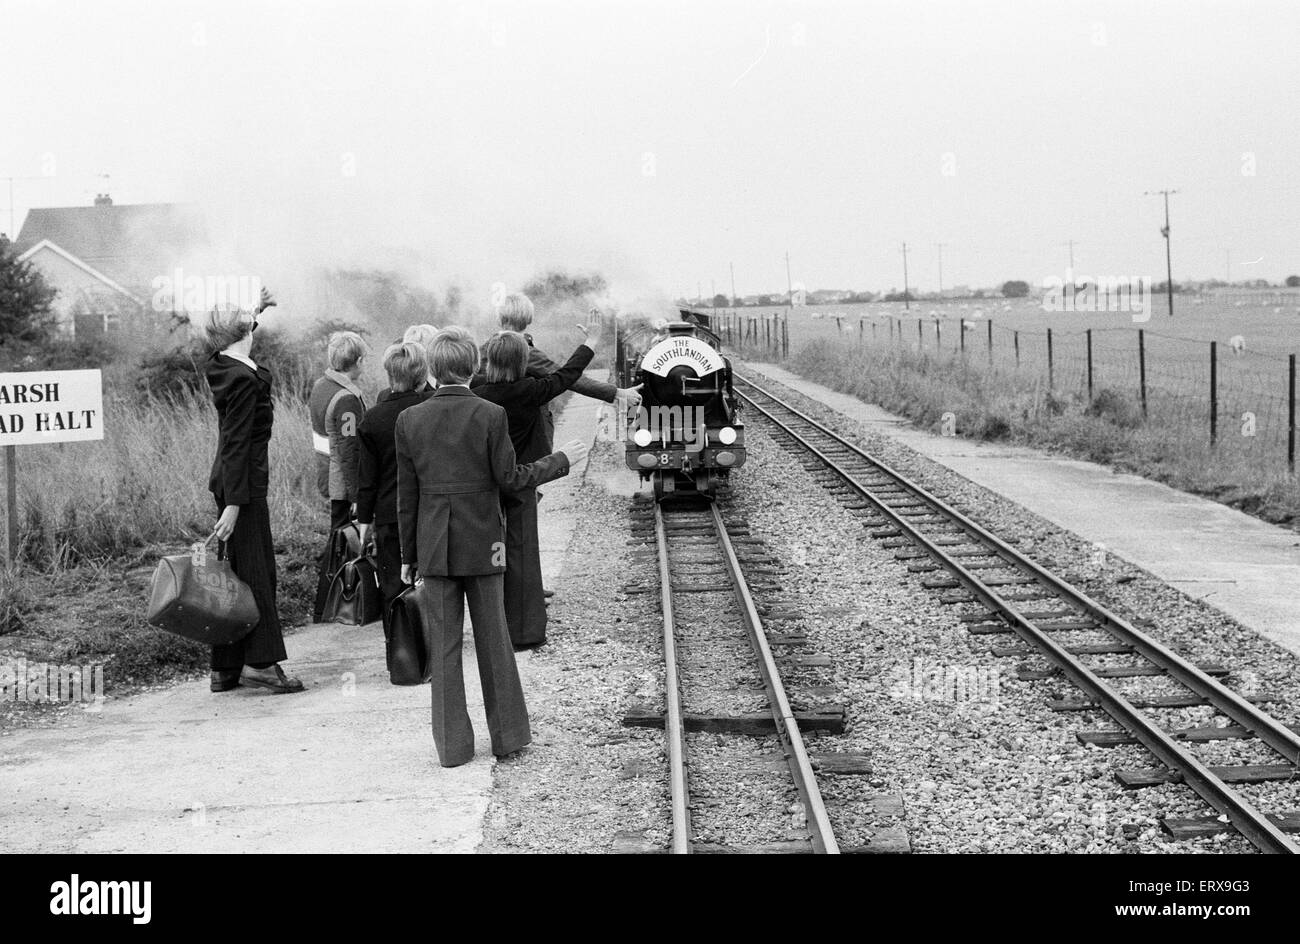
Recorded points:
(44,406)
(11,503)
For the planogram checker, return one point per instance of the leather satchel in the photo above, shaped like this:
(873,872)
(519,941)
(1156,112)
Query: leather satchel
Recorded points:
(354,596)
(199,597)
(344,545)
(408,655)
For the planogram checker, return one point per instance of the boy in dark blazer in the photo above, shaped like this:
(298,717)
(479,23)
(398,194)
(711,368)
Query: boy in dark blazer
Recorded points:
(504,383)
(407,366)
(454,458)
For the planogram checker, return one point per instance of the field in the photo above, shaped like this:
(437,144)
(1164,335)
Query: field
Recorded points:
(992,381)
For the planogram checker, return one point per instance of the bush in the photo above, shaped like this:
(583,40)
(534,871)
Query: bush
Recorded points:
(170,374)
(57,354)
(1115,407)
(294,364)
(13,601)
(25,299)
(993,426)
(556,284)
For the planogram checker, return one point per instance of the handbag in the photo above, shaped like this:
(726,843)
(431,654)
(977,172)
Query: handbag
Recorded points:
(354,596)
(200,598)
(408,655)
(344,545)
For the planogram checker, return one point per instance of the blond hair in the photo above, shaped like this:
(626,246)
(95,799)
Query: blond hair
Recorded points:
(407,365)
(506,357)
(453,356)
(223,327)
(516,312)
(421,334)
(345,349)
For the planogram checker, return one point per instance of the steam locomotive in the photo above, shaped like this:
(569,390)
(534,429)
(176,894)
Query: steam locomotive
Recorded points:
(687,436)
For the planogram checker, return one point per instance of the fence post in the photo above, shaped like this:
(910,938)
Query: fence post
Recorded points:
(938,348)
(990,342)
(961,335)
(862,332)
(1049,358)
(785,337)
(1015,342)
(1089,334)
(920,335)
(1214,392)
(1290,426)
(1142,369)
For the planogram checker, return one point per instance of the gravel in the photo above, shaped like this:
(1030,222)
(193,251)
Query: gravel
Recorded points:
(980,761)
(1000,772)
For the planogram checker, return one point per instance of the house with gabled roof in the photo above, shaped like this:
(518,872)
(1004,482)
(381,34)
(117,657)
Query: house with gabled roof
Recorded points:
(105,260)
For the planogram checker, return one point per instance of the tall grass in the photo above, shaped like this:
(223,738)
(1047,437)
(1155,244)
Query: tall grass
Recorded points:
(145,485)
(1005,405)
(94,517)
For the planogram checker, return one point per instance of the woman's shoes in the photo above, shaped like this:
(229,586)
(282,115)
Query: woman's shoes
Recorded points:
(223,680)
(271,677)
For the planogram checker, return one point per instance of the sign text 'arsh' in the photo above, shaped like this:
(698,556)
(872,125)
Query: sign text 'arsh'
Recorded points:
(50,406)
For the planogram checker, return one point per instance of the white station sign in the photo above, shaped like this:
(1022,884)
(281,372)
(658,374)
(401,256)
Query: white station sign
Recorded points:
(50,406)
(675,351)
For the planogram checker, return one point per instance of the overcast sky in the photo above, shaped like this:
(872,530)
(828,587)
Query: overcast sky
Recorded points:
(660,141)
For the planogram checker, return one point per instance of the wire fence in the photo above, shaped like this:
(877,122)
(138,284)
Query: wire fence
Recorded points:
(1242,403)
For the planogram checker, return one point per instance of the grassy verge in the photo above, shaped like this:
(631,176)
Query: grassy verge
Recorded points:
(1109,429)
(94,518)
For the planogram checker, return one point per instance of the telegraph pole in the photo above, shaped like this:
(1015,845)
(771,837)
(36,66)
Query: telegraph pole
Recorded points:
(907,301)
(789,284)
(940,246)
(13,236)
(1169,265)
(733,286)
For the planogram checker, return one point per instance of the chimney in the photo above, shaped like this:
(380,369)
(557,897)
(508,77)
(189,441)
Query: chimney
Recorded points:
(103,200)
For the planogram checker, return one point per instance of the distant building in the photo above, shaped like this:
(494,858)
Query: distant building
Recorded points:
(105,260)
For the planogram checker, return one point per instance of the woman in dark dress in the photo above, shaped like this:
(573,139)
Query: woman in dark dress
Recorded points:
(505,383)
(241,392)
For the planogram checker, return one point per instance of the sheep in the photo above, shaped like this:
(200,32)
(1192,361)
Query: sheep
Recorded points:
(1237,343)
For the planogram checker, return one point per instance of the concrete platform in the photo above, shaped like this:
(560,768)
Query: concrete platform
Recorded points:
(347,766)
(1244,567)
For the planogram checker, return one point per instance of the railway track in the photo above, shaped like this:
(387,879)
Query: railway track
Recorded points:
(700,615)
(1016,595)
